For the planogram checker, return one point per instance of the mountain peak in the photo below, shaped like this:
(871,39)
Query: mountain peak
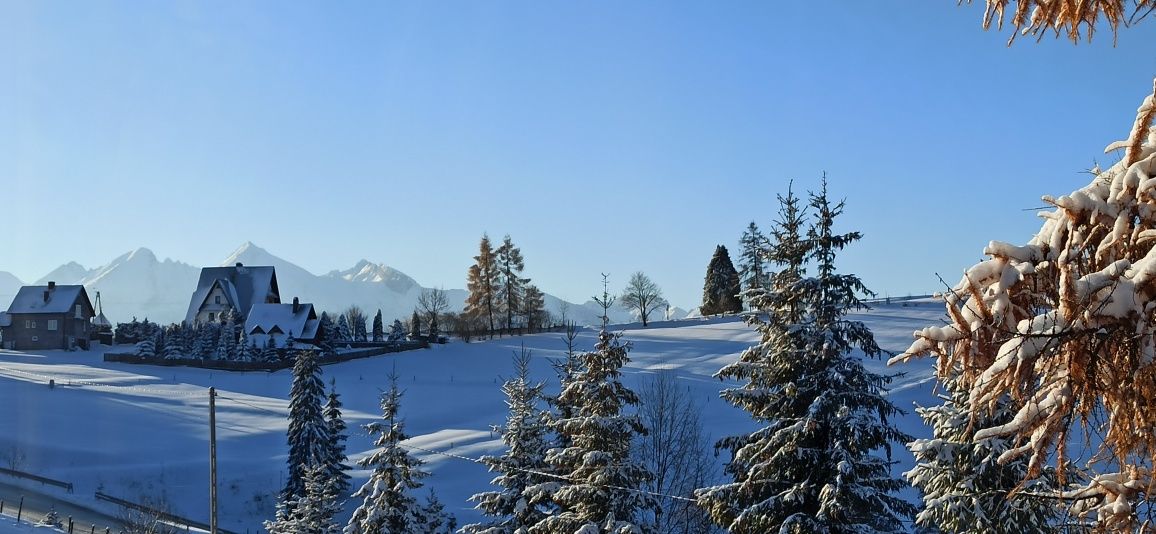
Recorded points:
(141,254)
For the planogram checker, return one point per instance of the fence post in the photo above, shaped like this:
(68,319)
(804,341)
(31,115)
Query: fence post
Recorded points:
(20,511)
(93,531)
(69,524)
(1,506)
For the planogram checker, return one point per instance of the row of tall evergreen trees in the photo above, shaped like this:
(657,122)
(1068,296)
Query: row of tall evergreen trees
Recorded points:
(500,297)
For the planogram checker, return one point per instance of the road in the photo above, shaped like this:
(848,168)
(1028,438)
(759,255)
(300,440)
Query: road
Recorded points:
(37,503)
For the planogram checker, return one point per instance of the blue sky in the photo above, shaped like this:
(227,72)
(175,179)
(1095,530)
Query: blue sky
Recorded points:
(603,136)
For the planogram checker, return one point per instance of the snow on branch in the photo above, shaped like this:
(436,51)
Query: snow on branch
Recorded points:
(1066,325)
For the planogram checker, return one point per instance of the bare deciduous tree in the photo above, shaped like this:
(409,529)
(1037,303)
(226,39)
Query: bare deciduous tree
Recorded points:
(149,518)
(676,452)
(642,295)
(356,318)
(433,302)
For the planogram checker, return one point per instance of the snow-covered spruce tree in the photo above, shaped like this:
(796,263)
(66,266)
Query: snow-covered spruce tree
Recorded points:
(1064,326)
(815,465)
(965,490)
(434,518)
(308,435)
(599,490)
(344,334)
(147,348)
(753,270)
(245,348)
(396,332)
(525,437)
(335,451)
(388,505)
(378,327)
(315,511)
(720,292)
(226,342)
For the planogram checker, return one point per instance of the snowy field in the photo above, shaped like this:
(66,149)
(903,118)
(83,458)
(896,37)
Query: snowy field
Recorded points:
(131,431)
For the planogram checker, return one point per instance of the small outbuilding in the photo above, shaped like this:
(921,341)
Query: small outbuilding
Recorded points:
(47,317)
(281,322)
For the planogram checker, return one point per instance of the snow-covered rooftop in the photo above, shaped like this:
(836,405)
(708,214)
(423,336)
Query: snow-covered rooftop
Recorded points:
(31,299)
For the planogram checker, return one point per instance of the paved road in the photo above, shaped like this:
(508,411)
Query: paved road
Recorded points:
(37,503)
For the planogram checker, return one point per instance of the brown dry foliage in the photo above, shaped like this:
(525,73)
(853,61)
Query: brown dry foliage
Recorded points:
(1066,326)
(1069,18)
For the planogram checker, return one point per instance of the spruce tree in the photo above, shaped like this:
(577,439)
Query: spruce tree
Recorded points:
(378,327)
(344,334)
(511,508)
(326,334)
(315,511)
(753,270)
(308,437)
(482,284)
(599,490)
(434,519)
(147,348)
(511,285)
(415,325)
(534,308)
(387,503)
(335,452)
(965,489)
(814,466)
(244,348)
(396,332)
(721,289)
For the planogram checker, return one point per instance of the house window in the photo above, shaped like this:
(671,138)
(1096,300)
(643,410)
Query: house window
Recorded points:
(29,323)
(79,312)
(217,299)
(212,316)
(53,324)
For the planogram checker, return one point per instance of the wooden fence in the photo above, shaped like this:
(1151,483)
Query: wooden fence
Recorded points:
(159,514)
(37,478)
(365,350)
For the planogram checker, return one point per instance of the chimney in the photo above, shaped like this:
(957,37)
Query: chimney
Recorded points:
(239,264)
(51,285)
(296,305)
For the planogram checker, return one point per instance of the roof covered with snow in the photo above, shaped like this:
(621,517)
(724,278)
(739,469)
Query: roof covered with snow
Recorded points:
(31,299)
(244,286)
(266,318)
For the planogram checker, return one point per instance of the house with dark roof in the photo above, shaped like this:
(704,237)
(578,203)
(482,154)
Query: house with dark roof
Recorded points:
(47,317)
(280,322)
(237,289)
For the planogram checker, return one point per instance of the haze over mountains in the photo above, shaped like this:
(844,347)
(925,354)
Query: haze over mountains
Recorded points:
(137,284)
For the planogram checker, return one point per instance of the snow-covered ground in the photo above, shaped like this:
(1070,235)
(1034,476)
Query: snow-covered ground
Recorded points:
(130,430)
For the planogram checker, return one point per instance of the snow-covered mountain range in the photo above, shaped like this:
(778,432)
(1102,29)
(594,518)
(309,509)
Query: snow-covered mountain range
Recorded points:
(137,284)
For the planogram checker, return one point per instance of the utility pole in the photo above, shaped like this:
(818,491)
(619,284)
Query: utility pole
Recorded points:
(213,460)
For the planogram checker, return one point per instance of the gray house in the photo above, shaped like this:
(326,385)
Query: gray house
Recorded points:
(237,289)
(47,317)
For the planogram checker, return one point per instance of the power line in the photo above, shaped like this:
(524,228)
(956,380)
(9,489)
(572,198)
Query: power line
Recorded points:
(544,474)
(253,406)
